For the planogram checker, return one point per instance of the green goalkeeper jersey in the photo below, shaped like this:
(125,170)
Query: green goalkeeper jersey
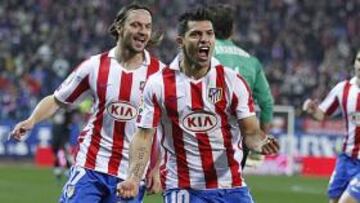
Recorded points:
(251,69)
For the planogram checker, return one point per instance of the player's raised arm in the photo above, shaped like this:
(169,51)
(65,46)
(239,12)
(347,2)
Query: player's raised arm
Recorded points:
(44,110)
(140,148)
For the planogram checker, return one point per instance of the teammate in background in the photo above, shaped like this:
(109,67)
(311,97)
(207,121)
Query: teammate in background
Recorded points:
(234,57)
(60,143)
(344,185)
(201,108)
(115,80)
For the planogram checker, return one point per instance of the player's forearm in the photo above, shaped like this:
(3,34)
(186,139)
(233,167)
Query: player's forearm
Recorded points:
(140,148)
(265,126)
(45,109)
(253,135)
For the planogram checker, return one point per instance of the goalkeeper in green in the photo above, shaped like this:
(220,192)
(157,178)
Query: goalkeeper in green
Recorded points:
(239,60)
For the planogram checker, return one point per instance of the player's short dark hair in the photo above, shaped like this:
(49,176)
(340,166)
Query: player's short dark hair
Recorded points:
(223,20)
(121,18)
(197,14)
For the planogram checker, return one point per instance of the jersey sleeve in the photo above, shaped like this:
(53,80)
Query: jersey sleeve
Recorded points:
(262,93)
(242,102)
(150,111)
(331,102)
(76,86)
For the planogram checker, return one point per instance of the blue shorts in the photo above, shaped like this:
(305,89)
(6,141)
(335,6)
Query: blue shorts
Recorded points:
(86,185)
(238,195)
(346,176)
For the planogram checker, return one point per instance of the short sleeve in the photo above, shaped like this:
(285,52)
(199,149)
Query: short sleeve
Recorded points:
(76,86)
(331,102)
(242,101)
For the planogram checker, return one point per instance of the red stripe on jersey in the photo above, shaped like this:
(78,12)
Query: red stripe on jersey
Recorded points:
(344,105)
(153,67)
(157,112)
(177,134)
(101,85)
(155,148)
(81,88)
(225,128)
(251,104)
(355,151)
(203,140)
(119,126)
(234,104)
(334,105)
(163,171)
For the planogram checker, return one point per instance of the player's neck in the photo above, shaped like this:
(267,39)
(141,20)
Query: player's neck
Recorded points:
(357,81)
(192,70)
(128,59)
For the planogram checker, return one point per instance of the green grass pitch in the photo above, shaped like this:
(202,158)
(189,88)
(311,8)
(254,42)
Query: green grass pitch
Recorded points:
(26,183)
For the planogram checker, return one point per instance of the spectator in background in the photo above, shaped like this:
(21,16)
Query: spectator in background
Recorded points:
(344,184)
(234,57)
(114,80)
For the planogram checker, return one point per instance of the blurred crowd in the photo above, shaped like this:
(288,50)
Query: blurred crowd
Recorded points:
(306,46)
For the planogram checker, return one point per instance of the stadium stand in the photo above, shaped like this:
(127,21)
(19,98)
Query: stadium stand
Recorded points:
(306,46)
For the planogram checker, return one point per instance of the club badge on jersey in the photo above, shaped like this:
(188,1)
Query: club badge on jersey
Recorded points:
(215,94)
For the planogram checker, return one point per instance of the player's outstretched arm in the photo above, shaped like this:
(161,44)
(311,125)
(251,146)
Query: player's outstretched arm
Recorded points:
(311,107)
(255,139)
(45,109)
(140,148)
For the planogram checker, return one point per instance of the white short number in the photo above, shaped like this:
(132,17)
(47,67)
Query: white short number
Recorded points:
(181,196)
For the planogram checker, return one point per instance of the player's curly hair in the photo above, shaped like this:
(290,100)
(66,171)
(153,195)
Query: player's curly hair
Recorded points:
(197,14)
(121,17)
(223,20)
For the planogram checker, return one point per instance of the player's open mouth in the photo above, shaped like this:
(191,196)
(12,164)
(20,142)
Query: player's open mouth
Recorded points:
(204,52)
(139,40)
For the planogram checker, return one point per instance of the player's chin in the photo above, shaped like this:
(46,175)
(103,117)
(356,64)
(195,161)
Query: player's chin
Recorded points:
(138,49)
(204,62)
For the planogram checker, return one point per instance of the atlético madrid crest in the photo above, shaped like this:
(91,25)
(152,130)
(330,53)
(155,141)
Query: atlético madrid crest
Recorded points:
(215,94)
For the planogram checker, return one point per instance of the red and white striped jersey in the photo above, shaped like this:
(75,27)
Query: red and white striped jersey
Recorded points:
(104,141)
(346,96)
(199,119)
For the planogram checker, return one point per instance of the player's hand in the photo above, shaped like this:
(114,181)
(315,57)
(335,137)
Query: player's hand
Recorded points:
(128,188)
(21,129)
(310,106)
(153,184)
(270,147)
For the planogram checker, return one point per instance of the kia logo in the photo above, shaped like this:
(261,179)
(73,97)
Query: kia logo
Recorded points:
(200,121)
(121,111)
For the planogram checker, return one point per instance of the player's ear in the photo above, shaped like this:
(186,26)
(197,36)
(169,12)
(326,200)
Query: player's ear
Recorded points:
(119,28)
(180,41)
